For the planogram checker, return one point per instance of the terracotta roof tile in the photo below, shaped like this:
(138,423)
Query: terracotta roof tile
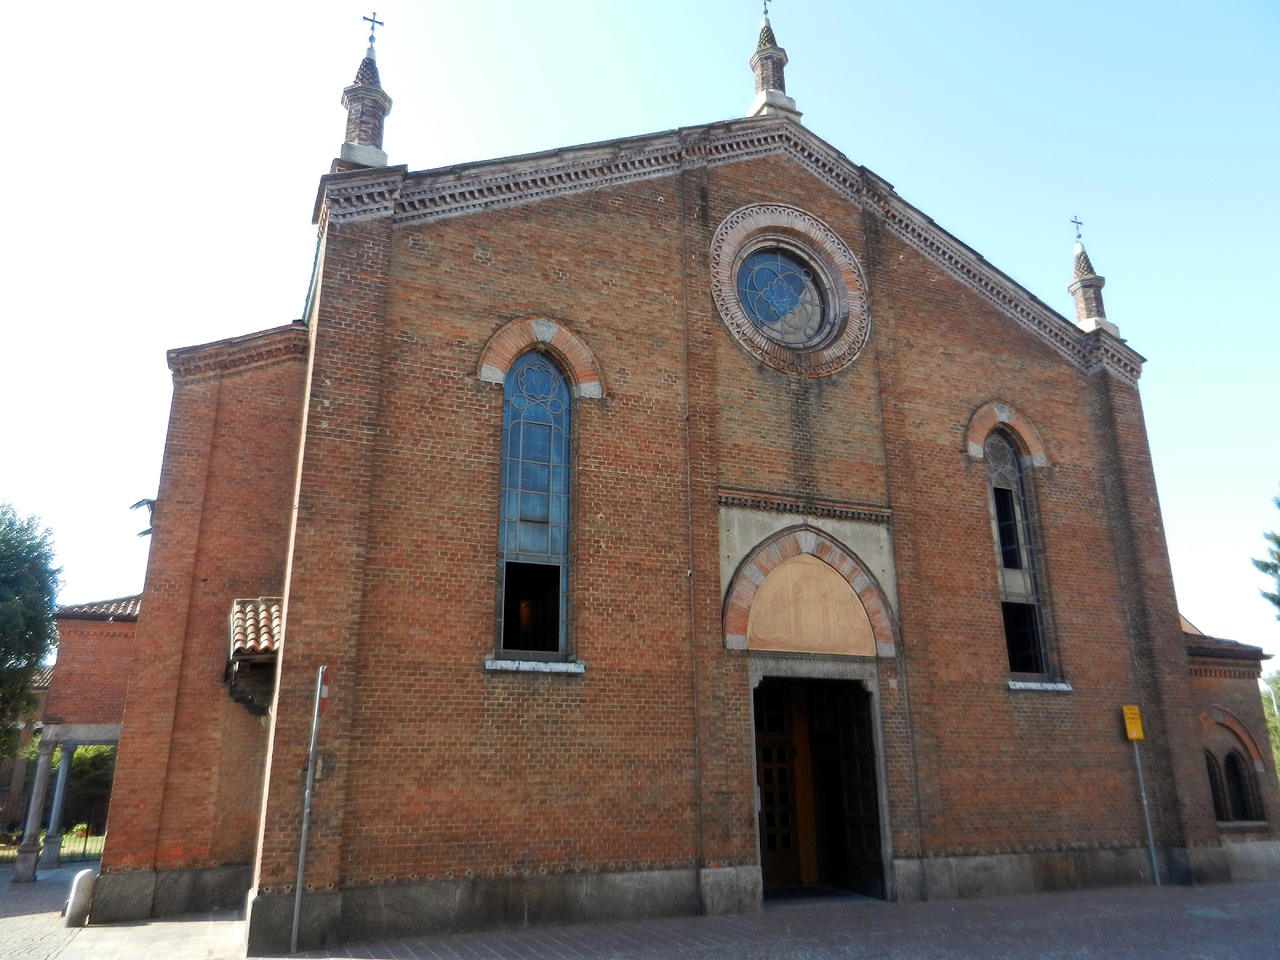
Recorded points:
(255,626)
(122,608)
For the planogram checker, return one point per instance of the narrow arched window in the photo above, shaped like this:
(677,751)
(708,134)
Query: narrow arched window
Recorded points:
(1015,558)
(1242,801)
(1221,811)
(533,527)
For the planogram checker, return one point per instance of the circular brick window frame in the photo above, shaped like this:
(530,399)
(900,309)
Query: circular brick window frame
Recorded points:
(766,226)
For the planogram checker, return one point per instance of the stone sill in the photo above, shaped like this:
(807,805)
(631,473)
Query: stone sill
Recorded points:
(1052,687)
(1244,826)
(534,666)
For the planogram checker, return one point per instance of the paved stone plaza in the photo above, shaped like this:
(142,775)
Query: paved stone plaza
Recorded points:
(1240,922)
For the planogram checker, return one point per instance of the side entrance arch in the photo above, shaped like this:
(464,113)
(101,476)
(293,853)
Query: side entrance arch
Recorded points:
(813,621)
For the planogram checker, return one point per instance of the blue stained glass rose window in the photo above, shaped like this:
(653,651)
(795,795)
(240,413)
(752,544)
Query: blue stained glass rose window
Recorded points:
(780,296)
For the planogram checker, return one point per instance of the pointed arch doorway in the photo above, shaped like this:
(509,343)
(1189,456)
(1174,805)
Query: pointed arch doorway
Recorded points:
(814,622)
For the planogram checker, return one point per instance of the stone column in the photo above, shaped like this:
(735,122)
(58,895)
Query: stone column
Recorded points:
(24,870)
(51,855)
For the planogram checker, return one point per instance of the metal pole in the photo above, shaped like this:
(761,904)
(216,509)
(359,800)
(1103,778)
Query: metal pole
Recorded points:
(1146,815)
(306,810)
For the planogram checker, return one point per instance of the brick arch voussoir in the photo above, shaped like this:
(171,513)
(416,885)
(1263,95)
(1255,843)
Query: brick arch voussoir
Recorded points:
(791,542)
(1225,718)
(517,337)
(996,413)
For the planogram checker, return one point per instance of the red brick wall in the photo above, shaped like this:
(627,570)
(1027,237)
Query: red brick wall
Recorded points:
(438,768)
(1226,699)
(189,757)
(92,673)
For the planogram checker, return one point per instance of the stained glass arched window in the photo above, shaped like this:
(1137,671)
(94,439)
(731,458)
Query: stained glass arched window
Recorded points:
(533,526)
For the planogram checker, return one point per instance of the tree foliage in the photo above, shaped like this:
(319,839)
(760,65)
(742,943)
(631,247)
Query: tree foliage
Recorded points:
(28,588)
(1271,566)
(1270,699)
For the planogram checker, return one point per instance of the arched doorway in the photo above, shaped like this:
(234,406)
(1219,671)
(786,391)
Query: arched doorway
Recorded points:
(813,621)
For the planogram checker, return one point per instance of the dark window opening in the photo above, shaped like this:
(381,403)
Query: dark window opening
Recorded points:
(1241,804)
(1220,809)
(531,608)
(1007,527)
(1020,605)
(1022,636)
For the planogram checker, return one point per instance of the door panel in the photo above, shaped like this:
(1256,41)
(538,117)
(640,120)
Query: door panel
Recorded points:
(816,777)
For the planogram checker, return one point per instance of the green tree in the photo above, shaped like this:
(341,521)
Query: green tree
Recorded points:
(1269,702)
(28,587)
(1271,566)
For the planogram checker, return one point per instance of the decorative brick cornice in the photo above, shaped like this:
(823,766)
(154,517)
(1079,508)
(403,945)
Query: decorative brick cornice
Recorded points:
(1217,648)
(217,359)
(358,195)
(1223,673)
(1105,352)
(456,191)
(827,509)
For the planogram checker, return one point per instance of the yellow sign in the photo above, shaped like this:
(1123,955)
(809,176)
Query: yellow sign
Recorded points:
(1132,722)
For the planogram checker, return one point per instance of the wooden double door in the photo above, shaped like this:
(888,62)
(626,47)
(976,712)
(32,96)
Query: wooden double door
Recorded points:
(816,783)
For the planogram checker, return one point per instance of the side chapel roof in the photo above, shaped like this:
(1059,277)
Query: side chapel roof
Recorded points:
(122,608)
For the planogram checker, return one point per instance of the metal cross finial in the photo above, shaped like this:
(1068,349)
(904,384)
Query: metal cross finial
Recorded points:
(1079,223)
(375,23)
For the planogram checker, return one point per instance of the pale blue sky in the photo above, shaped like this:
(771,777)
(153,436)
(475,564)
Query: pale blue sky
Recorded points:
(162,165)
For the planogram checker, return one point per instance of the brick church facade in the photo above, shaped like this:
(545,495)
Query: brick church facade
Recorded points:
(680,519)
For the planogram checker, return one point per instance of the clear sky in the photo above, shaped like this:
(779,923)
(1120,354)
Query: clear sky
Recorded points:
(162,160)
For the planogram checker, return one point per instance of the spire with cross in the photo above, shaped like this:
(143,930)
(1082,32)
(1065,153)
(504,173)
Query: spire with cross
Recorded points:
(375,23)
(767,63)
(367,107)
(1086,289)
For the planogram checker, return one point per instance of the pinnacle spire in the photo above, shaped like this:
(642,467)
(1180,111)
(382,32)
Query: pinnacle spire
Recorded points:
(1086,287)
(767,39)
(367,108)
(767,63)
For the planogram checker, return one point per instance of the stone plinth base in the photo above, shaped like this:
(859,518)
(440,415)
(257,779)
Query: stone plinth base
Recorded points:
(952,878)
(453,906)
(141,894)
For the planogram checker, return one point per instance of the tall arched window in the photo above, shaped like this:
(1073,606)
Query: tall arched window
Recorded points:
(1243,802)
(1016,558)
(533,527)
(1221,810)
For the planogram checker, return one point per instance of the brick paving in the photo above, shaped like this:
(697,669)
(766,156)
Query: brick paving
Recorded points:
(1235,922)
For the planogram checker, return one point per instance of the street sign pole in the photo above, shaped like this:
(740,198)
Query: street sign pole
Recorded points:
(317,711)
(1133,730)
